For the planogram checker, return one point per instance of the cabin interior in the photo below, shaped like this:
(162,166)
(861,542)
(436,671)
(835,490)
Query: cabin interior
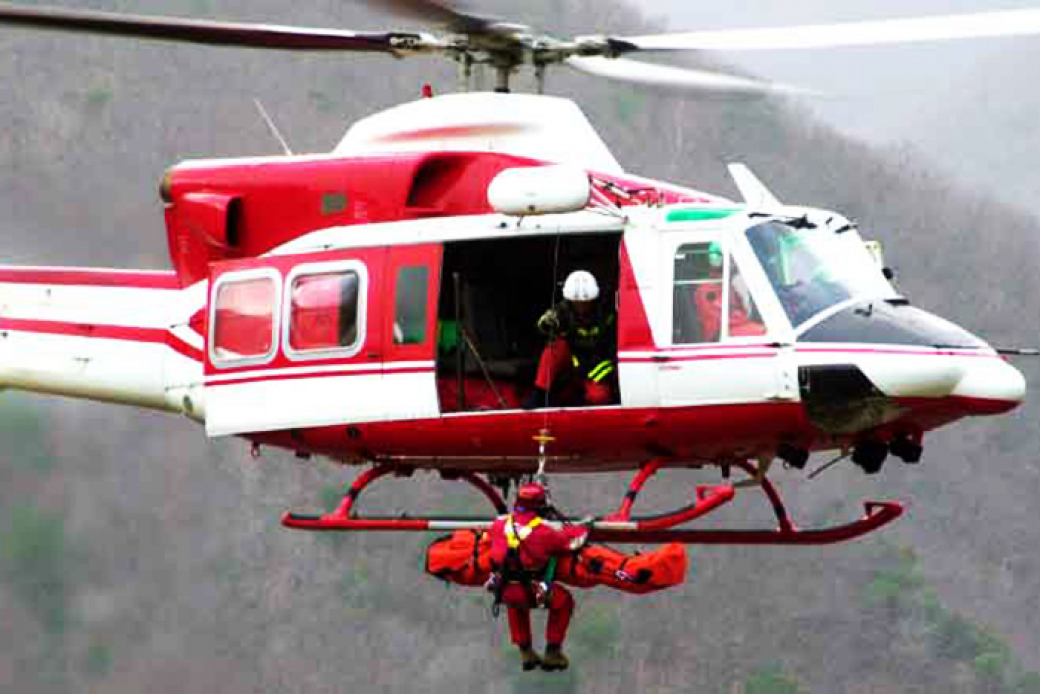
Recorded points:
(492,294)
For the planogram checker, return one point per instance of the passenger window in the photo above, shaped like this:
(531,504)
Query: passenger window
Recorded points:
(410,301)
(697,293)
(323,311)
(244,320)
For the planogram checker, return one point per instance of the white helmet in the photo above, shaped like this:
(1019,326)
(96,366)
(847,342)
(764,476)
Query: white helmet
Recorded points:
(580,286)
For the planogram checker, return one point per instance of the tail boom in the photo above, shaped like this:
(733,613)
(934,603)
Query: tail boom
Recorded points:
(122,337)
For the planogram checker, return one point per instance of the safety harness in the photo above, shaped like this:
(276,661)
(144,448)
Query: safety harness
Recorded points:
(513,571)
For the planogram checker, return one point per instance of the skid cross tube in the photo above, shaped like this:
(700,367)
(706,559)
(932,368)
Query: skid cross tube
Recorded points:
(343,517)
(708,498)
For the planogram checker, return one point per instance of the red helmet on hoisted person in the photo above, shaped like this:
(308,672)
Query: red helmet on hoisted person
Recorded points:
(530,497)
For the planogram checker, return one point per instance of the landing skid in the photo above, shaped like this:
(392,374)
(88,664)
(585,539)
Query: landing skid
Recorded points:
(619,527)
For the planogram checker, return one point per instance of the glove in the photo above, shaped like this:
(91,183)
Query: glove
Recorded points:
(549,322)
(491,585)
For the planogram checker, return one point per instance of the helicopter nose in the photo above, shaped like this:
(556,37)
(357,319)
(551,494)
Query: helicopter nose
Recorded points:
(991,386)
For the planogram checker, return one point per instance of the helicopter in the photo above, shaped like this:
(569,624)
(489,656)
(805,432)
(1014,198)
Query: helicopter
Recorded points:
(375,305)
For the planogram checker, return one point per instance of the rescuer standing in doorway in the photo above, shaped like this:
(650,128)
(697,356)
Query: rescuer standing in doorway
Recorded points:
(524,551)
(582,334)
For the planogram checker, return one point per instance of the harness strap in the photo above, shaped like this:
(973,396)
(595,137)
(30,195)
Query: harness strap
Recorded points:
(513,570)
(514,535)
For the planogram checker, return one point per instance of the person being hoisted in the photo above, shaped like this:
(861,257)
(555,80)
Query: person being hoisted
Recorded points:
(524,551)
(582,334)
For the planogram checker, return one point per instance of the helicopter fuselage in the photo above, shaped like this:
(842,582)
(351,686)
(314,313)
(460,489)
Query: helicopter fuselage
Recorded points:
(371,304)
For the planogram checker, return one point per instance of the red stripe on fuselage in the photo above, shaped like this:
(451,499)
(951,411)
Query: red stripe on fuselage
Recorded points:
(103,332)
(900,352)
(317,374)
(669,358)
(64,276)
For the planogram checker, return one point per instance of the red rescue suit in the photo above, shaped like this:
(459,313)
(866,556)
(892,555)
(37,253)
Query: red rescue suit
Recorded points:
(708,300)
(535,543)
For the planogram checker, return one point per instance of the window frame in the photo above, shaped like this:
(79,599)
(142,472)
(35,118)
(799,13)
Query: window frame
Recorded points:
(325,268)
(219,362)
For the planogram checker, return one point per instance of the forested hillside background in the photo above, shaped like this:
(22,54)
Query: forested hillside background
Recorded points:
(135,555)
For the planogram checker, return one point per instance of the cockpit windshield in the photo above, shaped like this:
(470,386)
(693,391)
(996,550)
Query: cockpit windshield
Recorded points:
(812,268)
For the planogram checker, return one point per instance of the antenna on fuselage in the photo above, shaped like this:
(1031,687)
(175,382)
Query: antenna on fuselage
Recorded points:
(273,127)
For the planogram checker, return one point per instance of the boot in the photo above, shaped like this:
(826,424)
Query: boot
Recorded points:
(554,659)
(529,660)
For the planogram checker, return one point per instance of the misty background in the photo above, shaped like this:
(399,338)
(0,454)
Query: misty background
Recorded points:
(137,555)
(967,107)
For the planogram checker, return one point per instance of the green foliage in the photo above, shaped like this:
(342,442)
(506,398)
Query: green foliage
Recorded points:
(33,561)
(957,638)
(896,584)
(1029,684)
(991,667)
(97,661)
(99,96)
(770,680)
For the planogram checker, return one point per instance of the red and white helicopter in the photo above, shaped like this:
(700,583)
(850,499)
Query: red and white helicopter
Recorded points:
(376,304)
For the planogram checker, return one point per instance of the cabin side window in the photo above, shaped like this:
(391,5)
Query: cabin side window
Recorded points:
(244,319)
(410,292)
(325,312)
(711,301)
(697,294)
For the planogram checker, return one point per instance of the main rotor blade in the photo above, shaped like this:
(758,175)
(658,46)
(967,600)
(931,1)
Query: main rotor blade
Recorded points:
(202,31)
(434,11)
(672,78)
(871,33)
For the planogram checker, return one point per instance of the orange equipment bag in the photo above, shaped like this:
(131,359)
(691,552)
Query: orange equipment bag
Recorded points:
(464,558)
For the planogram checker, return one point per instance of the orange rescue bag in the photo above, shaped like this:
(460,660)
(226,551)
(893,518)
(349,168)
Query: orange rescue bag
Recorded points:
(464,558)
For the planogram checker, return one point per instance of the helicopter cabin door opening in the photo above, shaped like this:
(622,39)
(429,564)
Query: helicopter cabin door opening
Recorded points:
(321,339)
(492,295)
